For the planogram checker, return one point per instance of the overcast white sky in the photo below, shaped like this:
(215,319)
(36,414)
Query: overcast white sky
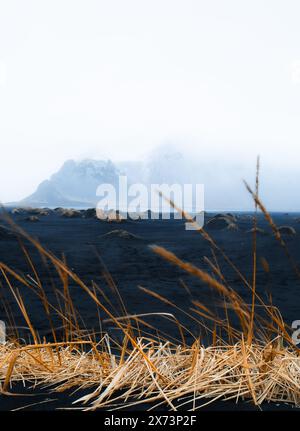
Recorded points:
(116,78)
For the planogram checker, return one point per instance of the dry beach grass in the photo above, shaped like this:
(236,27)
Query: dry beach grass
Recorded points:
(170,373)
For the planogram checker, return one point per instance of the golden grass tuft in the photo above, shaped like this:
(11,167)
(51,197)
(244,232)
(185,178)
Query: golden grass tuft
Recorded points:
(188,377)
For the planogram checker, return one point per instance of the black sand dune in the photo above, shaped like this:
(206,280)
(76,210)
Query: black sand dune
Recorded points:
(119,234)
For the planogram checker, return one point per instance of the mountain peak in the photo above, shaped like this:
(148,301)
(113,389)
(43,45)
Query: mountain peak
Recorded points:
(74,184)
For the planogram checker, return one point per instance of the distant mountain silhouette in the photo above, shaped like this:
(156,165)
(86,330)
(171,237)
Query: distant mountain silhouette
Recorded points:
(75,184)
(47,194)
